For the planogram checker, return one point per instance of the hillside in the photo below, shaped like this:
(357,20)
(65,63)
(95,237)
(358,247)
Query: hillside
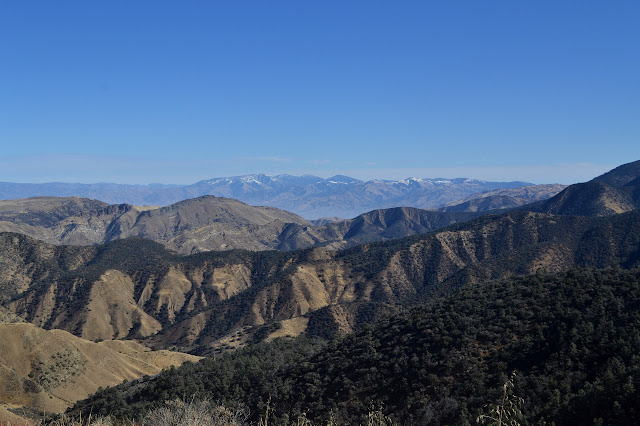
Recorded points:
(616,191)
(211,223)
(8,317)
(48,370)
(135,288)
(621,176)
(376,225)
(571,338)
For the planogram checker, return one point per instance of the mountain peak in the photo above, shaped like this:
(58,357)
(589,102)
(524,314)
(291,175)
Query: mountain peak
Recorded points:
(621,175)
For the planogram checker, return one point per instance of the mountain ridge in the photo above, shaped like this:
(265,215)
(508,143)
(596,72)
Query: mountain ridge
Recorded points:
(616,191)
(208,223)
(197,299)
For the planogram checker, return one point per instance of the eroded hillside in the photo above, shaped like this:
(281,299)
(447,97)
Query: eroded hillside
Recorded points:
(134,288)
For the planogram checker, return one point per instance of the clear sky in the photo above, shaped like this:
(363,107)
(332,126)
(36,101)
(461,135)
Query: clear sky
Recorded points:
(178,91)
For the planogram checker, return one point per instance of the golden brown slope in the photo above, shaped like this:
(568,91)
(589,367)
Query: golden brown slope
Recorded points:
(48,370)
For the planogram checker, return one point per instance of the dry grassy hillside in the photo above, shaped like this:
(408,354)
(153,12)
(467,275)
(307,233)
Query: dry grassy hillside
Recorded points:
(48,370)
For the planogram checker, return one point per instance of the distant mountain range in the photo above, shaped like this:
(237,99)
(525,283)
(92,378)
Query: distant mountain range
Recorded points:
(309,196)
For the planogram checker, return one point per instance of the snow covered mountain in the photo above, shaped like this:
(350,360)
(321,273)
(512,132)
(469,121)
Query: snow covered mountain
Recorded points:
(343,196)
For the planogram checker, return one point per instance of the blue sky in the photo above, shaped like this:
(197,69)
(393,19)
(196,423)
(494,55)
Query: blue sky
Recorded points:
(175,92)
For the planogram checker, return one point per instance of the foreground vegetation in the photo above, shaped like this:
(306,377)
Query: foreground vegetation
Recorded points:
(573,338)
(200,413)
